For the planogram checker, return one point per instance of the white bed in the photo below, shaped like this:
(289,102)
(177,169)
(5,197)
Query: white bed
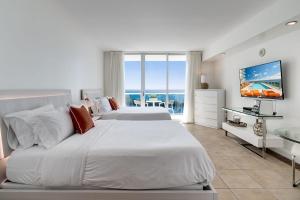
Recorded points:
(138,113)
(129,113)
(148,152)
(117,154)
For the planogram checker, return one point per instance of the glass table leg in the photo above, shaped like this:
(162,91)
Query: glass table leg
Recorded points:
(264,142)
(295,182)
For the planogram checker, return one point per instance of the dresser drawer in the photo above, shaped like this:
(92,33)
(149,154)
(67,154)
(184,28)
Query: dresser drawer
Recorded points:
(206,122)
(206,115)
(206,100)
(205,108)
(206,94)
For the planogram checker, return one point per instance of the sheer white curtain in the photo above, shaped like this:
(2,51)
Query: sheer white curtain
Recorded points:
(194,59)
(114,75)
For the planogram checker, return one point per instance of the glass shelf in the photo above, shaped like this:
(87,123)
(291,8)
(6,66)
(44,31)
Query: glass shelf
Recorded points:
(249,113)
(291,134)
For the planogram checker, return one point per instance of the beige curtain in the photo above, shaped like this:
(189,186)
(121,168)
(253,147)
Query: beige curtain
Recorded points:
(194,59)
(114,75)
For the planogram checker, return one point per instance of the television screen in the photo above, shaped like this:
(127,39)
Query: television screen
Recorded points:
(262,81)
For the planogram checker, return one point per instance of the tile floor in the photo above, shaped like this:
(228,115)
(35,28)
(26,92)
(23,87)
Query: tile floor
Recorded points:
(243,175)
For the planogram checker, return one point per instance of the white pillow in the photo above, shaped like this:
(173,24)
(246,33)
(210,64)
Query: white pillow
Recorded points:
(98,106)
(52,127)
(20,133)
(105,105)
(93,104)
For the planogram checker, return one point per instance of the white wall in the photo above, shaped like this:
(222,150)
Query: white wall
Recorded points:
(286,48)
(42,48)
(280,12)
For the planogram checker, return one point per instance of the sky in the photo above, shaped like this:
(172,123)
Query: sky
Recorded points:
(155,75)
(269,71)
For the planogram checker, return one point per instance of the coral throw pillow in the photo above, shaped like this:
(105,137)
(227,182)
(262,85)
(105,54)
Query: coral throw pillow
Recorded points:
(81,119)
(113,103)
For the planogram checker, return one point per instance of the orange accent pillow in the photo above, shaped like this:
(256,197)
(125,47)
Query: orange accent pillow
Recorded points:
(113,103)
(81,119)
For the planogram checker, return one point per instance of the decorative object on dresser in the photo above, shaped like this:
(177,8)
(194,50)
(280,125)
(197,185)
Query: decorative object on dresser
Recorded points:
(203,83)
(208,107)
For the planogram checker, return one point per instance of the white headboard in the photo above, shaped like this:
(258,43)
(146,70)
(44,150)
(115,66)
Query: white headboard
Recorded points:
(18,100)
(91,93)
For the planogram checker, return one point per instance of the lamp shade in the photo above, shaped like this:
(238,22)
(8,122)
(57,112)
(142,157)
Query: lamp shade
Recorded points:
(203,78)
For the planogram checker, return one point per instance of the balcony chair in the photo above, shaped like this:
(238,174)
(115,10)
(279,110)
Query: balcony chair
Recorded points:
(138,103)
(169,106)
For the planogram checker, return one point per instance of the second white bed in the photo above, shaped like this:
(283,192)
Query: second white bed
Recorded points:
(117,154)
(138,113)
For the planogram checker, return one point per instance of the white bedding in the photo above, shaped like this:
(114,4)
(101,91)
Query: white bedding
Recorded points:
(117,154)
(138,113)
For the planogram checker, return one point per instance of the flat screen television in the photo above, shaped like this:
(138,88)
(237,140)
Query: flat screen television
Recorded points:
(262,81)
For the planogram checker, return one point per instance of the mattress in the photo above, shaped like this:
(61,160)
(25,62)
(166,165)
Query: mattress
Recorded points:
(138,113)
(119,155)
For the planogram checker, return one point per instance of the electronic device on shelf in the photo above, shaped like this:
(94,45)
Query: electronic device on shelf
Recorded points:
(247,109)
(256,107)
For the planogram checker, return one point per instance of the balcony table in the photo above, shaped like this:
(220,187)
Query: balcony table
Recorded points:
(153,102)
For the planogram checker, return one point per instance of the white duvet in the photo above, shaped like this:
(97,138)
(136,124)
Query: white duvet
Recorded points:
(138,113)
(117,154)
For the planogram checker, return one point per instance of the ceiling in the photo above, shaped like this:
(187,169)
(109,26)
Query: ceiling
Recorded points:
(160,25)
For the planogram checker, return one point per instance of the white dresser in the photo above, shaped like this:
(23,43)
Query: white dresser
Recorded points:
(208,107)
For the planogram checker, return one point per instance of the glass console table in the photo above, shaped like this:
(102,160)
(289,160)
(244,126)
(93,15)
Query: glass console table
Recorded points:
(295,138)
(261,118)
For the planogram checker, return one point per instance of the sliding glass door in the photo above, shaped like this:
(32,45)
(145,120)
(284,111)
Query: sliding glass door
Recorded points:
(155,80)
(133,79)
(176,82)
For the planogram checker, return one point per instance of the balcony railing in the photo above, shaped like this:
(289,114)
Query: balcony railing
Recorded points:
(159,99)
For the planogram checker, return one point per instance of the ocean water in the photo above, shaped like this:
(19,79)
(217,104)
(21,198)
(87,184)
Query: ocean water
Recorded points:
(176,95)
